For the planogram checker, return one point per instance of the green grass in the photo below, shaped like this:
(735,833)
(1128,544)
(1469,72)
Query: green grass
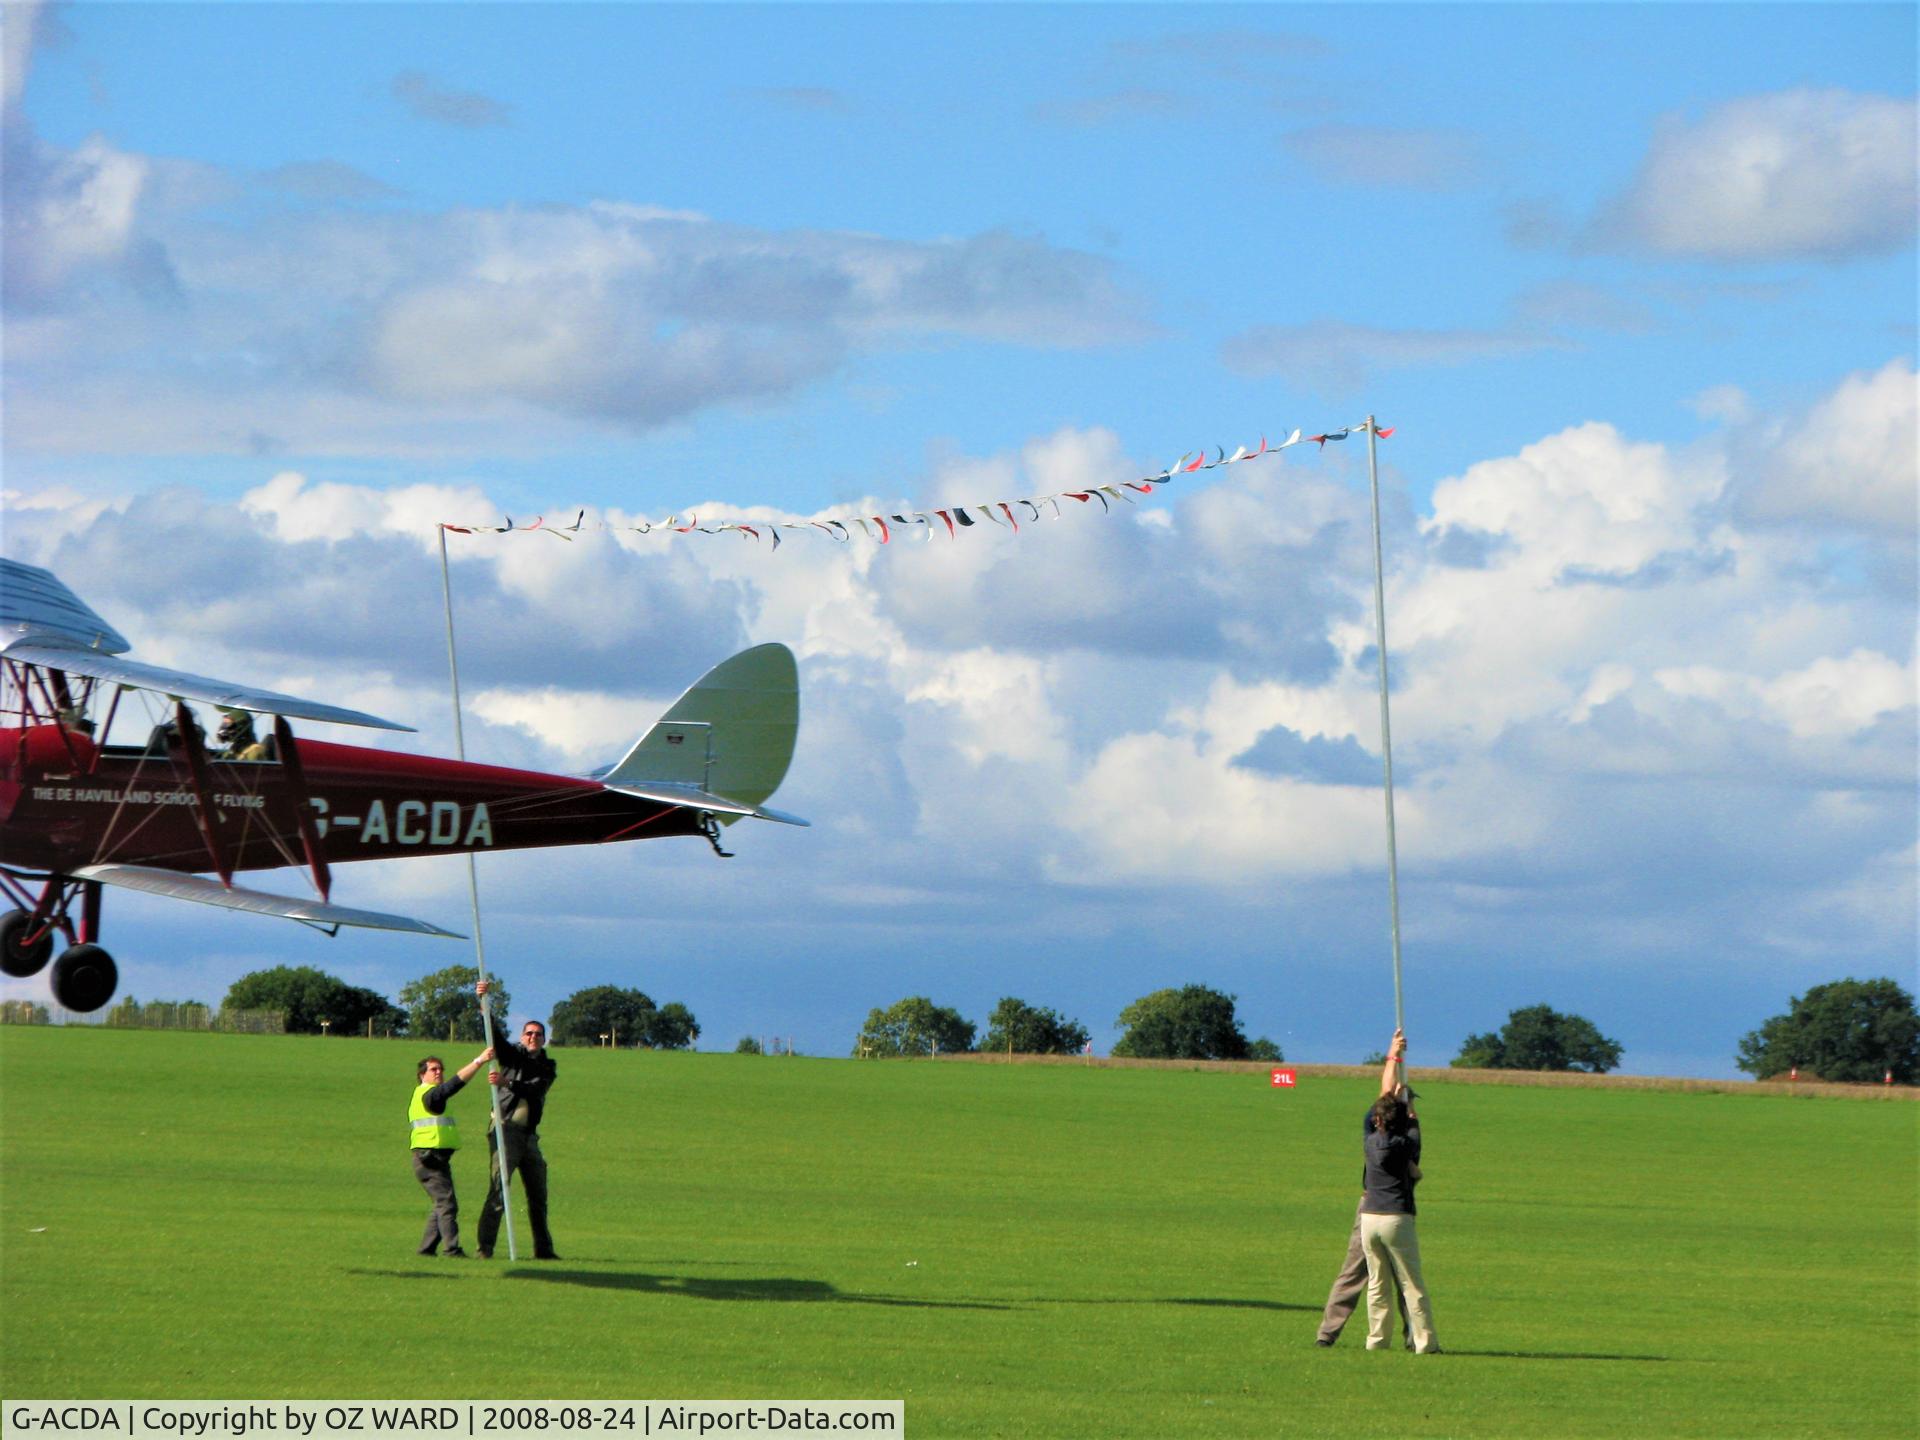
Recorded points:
(1014,1250)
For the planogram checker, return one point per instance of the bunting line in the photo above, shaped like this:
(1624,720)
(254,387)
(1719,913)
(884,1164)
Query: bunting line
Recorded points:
(954,517)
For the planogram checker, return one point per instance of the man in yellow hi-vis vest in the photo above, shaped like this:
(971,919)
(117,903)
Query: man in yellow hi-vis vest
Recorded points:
(434,1137)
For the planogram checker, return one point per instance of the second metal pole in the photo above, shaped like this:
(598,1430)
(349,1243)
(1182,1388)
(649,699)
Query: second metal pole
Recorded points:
(1386,726)
(473,893)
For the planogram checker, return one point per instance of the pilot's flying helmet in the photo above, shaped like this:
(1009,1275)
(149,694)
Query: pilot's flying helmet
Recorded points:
(235,725)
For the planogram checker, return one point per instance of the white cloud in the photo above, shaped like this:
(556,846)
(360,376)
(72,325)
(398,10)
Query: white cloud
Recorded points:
(1852,461)
(16,51)
(68,211)
(367,326)
(1832,696)
(1586,500)
(1593,740)
(1824,174)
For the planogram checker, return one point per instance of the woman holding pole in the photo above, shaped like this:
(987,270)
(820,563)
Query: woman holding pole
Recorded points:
(1387,1211)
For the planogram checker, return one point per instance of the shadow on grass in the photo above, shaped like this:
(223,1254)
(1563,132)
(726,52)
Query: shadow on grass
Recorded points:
(1222,1302)
(1553,1355)
(412,1274)
(700,1287)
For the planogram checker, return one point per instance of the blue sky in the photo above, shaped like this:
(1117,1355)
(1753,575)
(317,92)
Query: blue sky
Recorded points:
(1635,284)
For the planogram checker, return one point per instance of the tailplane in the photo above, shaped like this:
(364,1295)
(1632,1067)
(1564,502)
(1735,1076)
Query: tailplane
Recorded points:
(725,745)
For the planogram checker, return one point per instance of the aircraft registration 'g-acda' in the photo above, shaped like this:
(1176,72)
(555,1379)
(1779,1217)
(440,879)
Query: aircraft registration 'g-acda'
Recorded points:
(178,816)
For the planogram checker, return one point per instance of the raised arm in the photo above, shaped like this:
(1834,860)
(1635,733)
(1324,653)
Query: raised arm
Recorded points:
(1396,1052)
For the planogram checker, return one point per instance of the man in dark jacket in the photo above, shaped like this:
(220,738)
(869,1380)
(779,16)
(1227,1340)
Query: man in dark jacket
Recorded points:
(525,1074)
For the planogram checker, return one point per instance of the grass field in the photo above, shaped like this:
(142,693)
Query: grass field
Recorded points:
(1014,1250)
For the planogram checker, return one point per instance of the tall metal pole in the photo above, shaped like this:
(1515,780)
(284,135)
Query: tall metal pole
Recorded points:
(473,894)
(1386,726)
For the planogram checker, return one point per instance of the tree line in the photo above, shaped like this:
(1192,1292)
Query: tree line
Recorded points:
(442,1006)
(1849,1031)
(1858,1031)
(1193,1022)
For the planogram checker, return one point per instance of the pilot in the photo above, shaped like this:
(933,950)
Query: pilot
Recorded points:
(166,735)
(433,1137)
(237,740)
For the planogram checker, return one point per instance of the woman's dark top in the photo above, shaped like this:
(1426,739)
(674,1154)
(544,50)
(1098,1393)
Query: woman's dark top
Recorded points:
(1388,1179)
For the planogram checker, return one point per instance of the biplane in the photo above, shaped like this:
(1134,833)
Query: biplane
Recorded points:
(177,814)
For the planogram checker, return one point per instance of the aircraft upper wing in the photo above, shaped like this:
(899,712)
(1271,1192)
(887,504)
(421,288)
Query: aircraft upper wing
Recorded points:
(37,603)
(101,666)
(176,886)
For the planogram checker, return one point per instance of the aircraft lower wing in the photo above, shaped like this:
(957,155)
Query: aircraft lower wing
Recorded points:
(318,913)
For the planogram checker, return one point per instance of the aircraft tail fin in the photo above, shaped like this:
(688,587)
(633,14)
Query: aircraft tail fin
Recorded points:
(728,739)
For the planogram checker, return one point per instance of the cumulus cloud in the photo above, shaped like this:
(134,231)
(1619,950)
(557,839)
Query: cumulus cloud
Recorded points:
(1822,174)
(1852,462)
(16,51)
(74,212)
(611,314)
(1636,720)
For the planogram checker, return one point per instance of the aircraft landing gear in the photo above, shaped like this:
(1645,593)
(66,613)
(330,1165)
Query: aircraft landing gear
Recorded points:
(84,977)
(18,957)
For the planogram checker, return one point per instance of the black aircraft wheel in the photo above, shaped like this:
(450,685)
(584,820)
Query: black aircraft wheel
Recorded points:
(17,959)
(84,977)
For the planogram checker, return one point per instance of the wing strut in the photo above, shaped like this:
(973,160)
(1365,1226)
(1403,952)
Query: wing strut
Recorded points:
(302,810)
(196,752)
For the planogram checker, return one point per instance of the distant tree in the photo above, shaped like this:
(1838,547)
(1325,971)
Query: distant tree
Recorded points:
(1028,1030)
(1539,1037)
(584,1016)
(1377,1058)
(1477,1052)
(914,1026)
(444,1001)
(1191,1023)
(308,996)
(1847,1030)
(24,1012)
(747,1045)
(355,1006)
(1264,1049)
(672,1028)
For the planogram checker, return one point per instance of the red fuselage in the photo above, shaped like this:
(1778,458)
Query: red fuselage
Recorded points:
(65,803)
